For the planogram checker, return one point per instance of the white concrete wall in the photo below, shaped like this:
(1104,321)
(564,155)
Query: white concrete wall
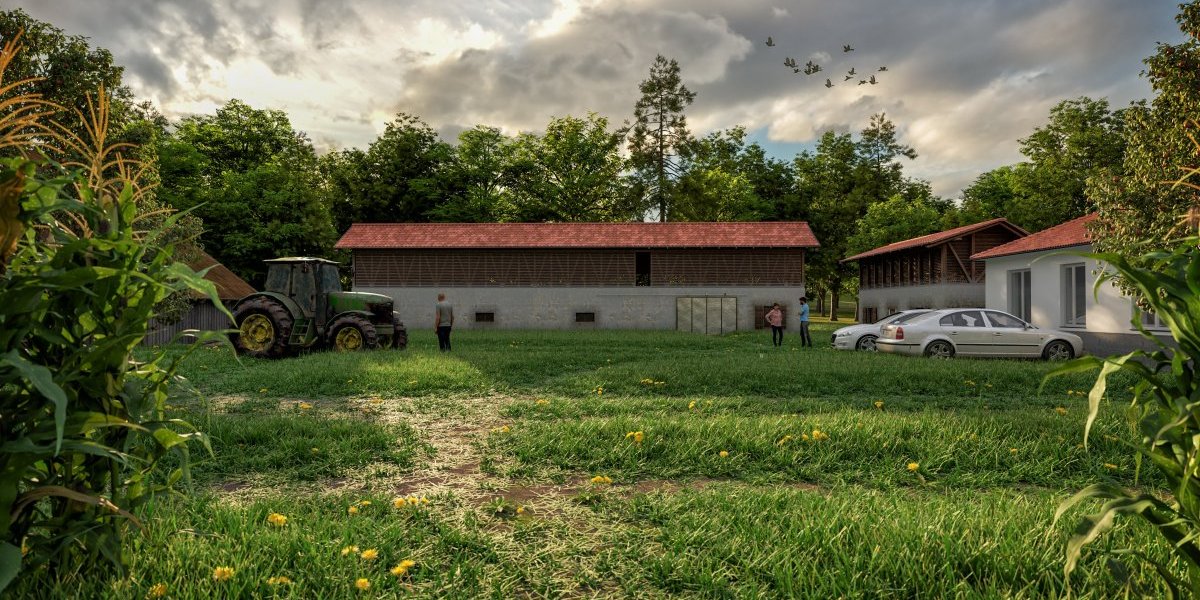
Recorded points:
(649,307)
(887,300)
(1107,311)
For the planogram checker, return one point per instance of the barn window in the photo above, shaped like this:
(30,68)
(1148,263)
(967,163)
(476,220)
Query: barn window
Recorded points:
(485,317)
(641,268)
(585,317)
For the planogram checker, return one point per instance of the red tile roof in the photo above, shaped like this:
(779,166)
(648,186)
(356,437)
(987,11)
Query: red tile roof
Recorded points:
(578,235)
(229,285)
(1071,233)
(933,239)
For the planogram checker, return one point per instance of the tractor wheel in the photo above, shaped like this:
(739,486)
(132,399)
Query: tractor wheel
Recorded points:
(351,333)
(263,328)
(399,334)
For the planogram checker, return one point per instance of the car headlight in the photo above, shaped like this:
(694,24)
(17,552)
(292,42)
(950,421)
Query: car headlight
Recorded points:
(843,334)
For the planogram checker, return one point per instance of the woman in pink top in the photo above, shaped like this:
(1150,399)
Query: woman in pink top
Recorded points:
(775,320)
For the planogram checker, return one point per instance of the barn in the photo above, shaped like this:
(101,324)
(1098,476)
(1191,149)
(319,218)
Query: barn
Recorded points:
(203,314)
(701,277)
(931,271)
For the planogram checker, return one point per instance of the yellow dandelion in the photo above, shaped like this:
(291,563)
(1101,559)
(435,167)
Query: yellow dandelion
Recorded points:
(601,480)
(157,590)
(636,436)
(1012,450)
(369,554)
(277,519)
(599,390)
(692,405)
(987,385)
(912,466)
(818,435)
(364,502)
(520,510)
(348,549)
(969,382)
(376,401)
(783,440)
(412,382)
(353,510)
(804,436)
(1062,412)
(542,401)
(402,567)
(723,454)
(305,406)
(1110,466)
(879,404)
(316,450)
(262,390)
(424,500)
(280,580)
(362,583)
(222,573)
(399,502)
(502,429)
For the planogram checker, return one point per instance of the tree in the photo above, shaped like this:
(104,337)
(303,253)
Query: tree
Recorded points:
(660,132)
(255,183)
(481,163)
(1137,202)
(716,184)
(571,173)
(895,219)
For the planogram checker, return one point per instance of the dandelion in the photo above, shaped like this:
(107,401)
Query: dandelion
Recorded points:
(412,382)
(969,382)
(399,502)
(222,574)
(783,440)
(280,580)
(362,583)
(316,450)
(1013,451)
(520,510)
(277,519)
(157,590)
(879,404)
(262,390)
(647,381)
(305,406)
(369,554)
(818,435)
(912,467)
(804,436)
(599,390)
(1062,412)
(348,549)
(541,402)
(353,510)
(402,567)
(1110,466)
(601,480)
(636,436)
(376,401)
(987,385)
(723,454)
(364,502)
(692,405)
(501,429)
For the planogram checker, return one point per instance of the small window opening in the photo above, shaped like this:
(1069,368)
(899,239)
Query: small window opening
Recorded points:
(485,317)
(585,317)
(642,268)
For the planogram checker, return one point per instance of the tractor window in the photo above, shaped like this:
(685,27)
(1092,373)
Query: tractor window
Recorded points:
(330,281)
(277,278)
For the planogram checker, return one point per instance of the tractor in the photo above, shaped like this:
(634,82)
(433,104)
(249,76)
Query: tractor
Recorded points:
(303,306)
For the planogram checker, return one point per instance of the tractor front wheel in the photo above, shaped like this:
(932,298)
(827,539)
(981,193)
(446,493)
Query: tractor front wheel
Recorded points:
(399,334)
(351,333)
(263,328)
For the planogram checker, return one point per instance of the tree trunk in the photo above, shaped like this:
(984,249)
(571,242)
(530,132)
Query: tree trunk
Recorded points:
(833,304)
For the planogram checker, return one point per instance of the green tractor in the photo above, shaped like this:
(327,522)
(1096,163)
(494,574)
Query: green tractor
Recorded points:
(304,307)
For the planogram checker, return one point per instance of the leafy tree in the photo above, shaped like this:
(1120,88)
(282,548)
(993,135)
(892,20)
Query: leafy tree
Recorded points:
(895,219)
(481,165)
(1136,202)
(571,173)
(255,182)
(659,132)
(716,183)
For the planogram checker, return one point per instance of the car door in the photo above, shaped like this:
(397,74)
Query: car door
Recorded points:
(1012,336)
(969,332)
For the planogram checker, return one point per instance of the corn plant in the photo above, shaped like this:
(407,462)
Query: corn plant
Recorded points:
(83,425)
(1165,411)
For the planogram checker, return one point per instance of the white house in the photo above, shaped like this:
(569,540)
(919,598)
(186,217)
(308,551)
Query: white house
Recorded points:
(1045,279)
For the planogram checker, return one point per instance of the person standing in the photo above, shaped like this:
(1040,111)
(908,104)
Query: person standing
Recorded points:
(805,338)
(442,322)
(775,320)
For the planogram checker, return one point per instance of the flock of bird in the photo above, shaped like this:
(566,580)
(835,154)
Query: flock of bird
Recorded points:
(811,68)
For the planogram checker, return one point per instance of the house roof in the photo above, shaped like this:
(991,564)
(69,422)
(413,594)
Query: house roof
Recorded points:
(577,235)
(229,286)
(934,239)
(1065,235)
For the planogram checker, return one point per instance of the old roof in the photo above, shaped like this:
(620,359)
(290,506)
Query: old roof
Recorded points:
(577,235)
(1065,235)
(933,239)
(229,286)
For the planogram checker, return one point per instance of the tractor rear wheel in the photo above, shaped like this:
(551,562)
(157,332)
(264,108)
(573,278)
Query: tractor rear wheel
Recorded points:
(350,333)
(263,328)
(399,334)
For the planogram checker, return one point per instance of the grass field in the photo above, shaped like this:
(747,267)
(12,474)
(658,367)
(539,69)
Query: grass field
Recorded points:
(757,472)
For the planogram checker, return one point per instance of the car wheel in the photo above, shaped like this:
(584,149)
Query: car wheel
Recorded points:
(866,343)
(1058,350)
(939,349)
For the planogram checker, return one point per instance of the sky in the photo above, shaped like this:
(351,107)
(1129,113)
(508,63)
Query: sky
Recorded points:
(965,79)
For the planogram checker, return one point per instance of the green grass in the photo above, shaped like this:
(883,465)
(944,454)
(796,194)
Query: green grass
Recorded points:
(775,517)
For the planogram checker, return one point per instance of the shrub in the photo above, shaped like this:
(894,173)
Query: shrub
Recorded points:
(82,424)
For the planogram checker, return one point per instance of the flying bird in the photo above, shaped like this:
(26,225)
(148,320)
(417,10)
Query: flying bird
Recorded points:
(872,80)
(828,83)
(789,62)
(862,82)
(882,69)
(851,72)
(848,78)
(811,67)
(770,42)
(847,48)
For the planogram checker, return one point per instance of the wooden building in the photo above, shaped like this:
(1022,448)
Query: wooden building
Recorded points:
(203,314)
(931,271)
(707,277)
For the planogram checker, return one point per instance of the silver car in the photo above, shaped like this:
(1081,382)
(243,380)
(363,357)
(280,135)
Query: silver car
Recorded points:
(976,332)
(863,336)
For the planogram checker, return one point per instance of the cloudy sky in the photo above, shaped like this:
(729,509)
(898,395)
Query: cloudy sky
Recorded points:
(965,79)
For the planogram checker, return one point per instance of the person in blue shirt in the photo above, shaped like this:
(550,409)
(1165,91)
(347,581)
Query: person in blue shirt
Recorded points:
(805,338)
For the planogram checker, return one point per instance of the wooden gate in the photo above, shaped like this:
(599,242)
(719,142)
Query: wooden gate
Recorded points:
(706,315)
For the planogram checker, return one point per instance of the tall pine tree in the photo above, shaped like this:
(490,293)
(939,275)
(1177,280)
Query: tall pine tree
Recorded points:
(659,132)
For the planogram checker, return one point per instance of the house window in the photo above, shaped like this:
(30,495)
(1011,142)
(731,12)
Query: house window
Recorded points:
(585,317)
(642,268)
(1150,320)
(485,317)
(1074,295)
(1019,294)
